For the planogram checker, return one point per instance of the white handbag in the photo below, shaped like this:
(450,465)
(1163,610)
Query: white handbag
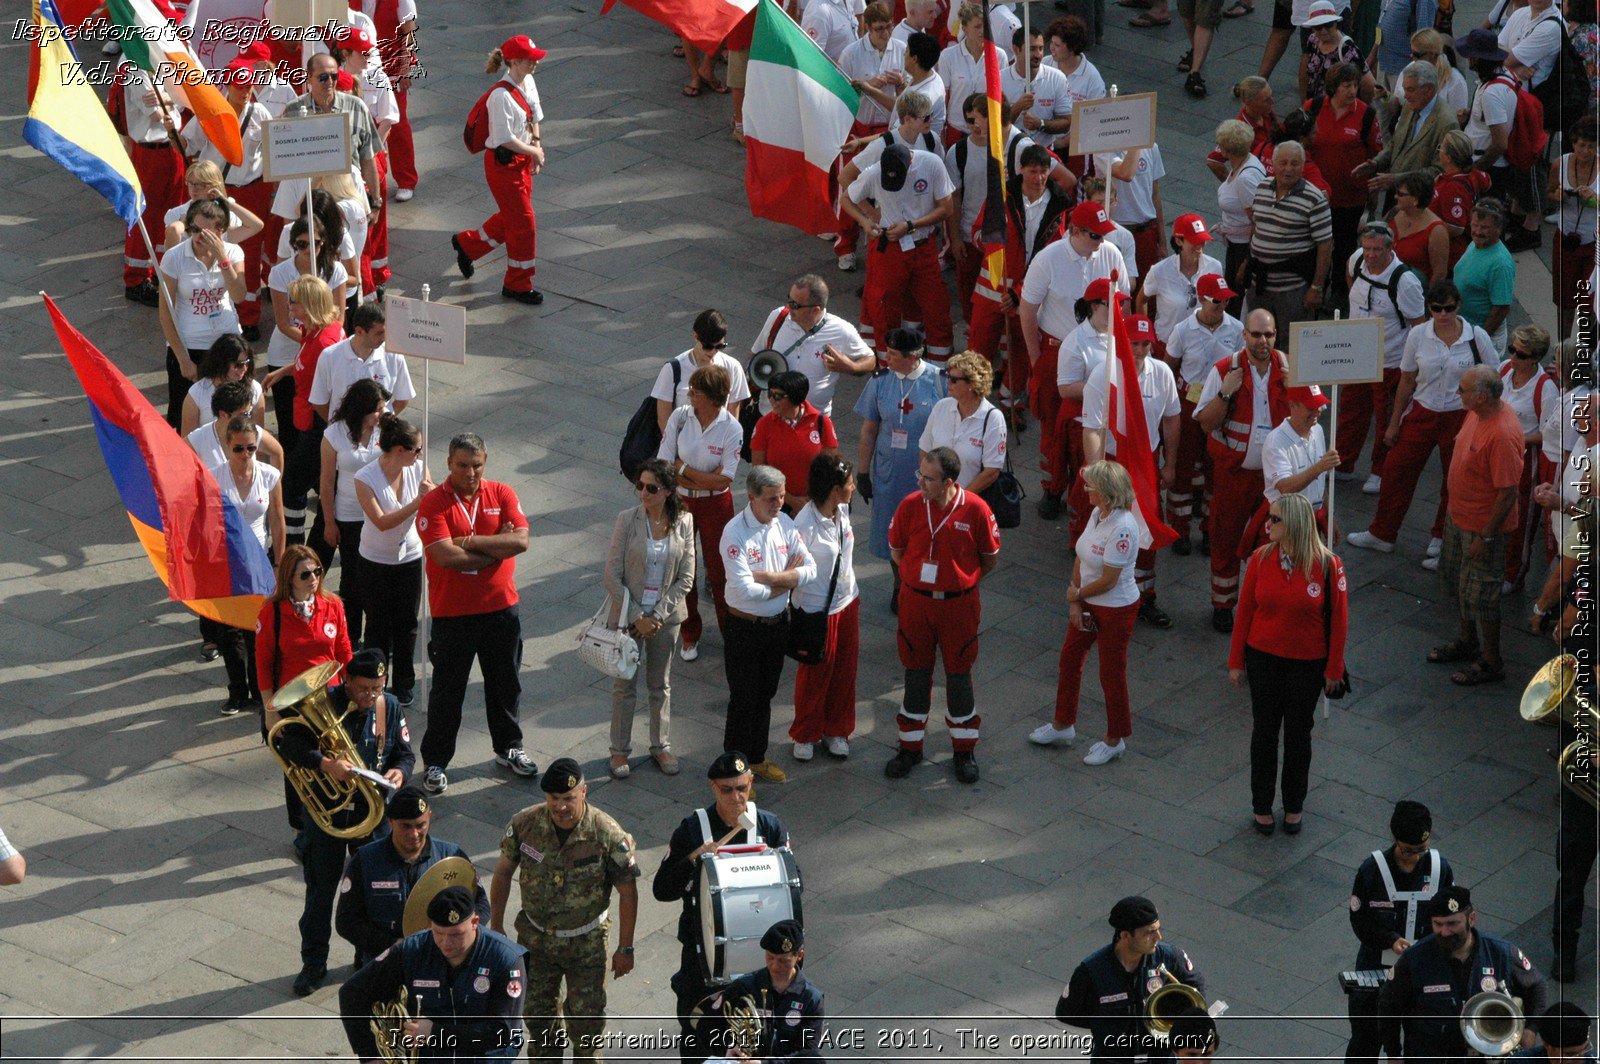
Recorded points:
(610,651)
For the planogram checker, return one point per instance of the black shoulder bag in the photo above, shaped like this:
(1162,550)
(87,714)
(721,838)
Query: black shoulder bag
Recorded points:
(808,632)
(1005,495)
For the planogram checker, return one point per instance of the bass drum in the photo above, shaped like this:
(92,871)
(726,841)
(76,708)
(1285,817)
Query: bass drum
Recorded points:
(741,895)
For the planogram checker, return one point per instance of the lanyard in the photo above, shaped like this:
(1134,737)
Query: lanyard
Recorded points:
(906,388)
(928,507)
(470,515)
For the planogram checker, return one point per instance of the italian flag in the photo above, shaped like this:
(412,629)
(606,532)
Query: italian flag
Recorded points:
(150,42)
(798,108)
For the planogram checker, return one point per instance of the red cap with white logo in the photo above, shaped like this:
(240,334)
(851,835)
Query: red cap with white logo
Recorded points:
(1191,227)
(1212,286)
(1092,216)
(1140,329)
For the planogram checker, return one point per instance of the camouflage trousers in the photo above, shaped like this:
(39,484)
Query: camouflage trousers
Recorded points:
(578,1020)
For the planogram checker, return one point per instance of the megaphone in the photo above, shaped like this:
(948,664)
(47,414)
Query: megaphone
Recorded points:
(765,365)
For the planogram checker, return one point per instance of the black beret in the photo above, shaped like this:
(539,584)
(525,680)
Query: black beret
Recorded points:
(407,803)
(1563,1025)
(1411,823)
(785,936)
(369,664)
(1133,912)
(730,764)
(450,906)
(1193,1028)
(563,775)
(1449,902)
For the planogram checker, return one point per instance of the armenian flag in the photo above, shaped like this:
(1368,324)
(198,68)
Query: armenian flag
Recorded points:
(197,540)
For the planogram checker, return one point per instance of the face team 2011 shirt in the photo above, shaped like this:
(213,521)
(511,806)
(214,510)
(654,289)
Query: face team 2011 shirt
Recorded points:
(442,515)
(943,546)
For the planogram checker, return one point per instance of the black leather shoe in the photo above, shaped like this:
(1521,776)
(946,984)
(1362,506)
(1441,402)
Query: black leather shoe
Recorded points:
(1049,506)
(901,764)
(144,293)
(1205,545)
(463,260)
(1264,829)
(1182,546)
(1154,615)
(310,977)
(1222,619)
(1292,827)
(966,767)
(530,297)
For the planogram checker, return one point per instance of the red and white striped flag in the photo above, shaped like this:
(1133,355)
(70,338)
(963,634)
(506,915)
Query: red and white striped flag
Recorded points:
(1125,420)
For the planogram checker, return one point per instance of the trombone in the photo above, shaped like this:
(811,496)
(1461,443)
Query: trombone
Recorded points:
(303,703)
(1552,692)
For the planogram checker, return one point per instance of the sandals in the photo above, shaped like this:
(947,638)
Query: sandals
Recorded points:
(1145,22)
(1195,86)
(1239,10)
(1479,672)
(1445,653)
(1186,61)
(692,89)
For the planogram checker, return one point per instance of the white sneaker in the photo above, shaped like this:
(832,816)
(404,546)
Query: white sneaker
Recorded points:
(847,262)
(403,195)
(1435,547)
(1100,753)
(804,751)
(1373,485)
(1047,734)
(688,651)
(1431,564)
(1367,541)
(838,746)
(435,781)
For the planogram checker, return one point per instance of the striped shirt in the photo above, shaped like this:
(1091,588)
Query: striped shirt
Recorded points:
(1287,226)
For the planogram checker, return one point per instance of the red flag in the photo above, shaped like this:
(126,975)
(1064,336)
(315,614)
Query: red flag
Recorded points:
(1125,420)
(703,23)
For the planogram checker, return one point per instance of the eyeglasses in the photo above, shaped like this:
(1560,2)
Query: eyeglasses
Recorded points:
(653,489)
(792,305)
(328,77)
(777,396)
(1274,519)
(242,362)
(245,448)
(963,380)
(309,574)
(715,347)
(1443,308)
(301,245)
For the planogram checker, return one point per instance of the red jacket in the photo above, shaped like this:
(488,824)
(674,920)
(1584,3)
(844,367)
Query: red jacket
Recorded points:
(299,645)
(1229,441)
(1052,227)
(1286,615)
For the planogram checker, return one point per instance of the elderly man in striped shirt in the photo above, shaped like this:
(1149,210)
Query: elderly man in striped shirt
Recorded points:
(1292,247)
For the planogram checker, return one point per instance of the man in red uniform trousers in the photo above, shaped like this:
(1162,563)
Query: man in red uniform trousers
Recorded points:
(146,118)
(1243,398)
(943,540)
(396,23)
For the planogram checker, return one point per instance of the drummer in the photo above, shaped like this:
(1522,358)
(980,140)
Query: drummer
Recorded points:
(791,1006)
(678,878)
(381,876)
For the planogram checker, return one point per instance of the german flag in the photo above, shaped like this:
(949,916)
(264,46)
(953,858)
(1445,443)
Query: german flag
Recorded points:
(994,210)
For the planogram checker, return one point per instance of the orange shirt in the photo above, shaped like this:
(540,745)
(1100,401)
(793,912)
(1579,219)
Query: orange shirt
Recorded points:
(1486,461)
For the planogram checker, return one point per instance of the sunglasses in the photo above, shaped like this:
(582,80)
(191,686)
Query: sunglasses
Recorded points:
(1091,236)
(242,362)
(777,396)
(414,450)
(963,380)
(1517,352)
(723,346)
(309,574)
(328,77)
(792,305)
(1443,308)
(1424,55)
(1269,334)
(301,245)
(653,489)
(245,448)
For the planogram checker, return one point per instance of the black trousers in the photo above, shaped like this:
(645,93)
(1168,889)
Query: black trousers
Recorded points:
(355,582)
(689,987)
(283,410)
(1366,1029)
(495,641)
(302,472)
(1346,224)
(752,658)
(1576,842)
(178,386)
(325,860)
(393,596)
(237,649)
(1283,699)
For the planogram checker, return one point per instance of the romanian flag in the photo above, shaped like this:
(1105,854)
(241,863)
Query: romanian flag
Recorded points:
(150,41)
(994,211)
(1125,420)
(199,543)
(67,122)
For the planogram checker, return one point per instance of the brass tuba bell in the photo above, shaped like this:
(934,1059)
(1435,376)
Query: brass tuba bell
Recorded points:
(1163,1006)
(1492,1022)
(388,1030)
(303,703)
(1552,692)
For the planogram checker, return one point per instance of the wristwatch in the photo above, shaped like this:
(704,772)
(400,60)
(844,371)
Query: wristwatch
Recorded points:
(626,951)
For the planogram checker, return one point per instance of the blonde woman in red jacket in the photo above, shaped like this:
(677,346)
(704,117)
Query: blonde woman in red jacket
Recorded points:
(1289,640)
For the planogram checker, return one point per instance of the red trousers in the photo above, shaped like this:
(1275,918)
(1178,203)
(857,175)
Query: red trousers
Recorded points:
(1189,486)
(989,325)
(375,254)
(1359,405)
(402,149)
(896,278)
(1114,630)
(1047,408)
(849,233)
(967,271)
(269,239)
(255,197)
(825,695)
(513,225)
(1421,430)
(1536,469)
(711,514)
(1235,494)
(160,170)
(1147,250)
(930,629)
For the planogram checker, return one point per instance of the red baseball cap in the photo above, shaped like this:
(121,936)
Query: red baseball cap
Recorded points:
(346,82)
(1308,396)
(1140,329)
(1100,289)
(240,71)
(354,38)
(1092,216)
(1191,227)
(256,52)
(521,47)
(1212,286)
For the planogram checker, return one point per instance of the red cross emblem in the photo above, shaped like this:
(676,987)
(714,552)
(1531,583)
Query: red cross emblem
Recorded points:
(906,405)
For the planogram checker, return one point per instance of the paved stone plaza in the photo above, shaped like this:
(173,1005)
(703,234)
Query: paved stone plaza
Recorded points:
(158,920)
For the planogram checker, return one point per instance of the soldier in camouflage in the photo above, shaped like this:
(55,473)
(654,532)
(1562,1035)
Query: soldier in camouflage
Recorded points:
(567,856)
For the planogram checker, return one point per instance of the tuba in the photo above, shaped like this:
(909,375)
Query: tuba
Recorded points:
(1491,1023)
(388,1027)
(303,702)
(1551,692)
(1163,1006)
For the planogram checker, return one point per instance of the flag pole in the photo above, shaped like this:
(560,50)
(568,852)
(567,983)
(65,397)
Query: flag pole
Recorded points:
(1333,480)
(427,367)
(161,287)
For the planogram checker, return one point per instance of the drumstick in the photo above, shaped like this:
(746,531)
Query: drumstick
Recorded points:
(746,823)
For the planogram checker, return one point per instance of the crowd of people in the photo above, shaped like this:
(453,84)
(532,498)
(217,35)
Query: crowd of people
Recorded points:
(1389,188)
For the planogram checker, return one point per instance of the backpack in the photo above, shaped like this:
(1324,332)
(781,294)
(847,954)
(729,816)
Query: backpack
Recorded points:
(1394,281)
(1565,92)
(1527,139)
(642,438)
(1013,153)
(476,132)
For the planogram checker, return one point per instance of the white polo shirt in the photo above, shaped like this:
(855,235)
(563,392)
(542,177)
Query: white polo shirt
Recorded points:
(1369,298)
(862,62)
(1534,40)
(1058,276)
(1113,541)
(738,386)
(1050,98)
(927,182)
(828,540)
(714,449)
(507,119)
(1494,105)
(980,440)
(1134,203)
(1084,83)
(829,25)
(962,76)
(1532,399)
(1197,346)
(1286,453)
(750,547)
(1083,349)
(973,177)
(932,87)
(806,357)
(1439,366)
(1156,385)
(251,124)
(340,367)
(1174,293)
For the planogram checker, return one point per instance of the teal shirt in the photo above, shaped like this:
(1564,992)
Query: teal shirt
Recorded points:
(1487,279)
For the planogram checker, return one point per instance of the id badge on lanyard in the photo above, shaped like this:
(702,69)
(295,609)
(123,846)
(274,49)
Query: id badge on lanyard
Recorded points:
(930,568)
(472,523)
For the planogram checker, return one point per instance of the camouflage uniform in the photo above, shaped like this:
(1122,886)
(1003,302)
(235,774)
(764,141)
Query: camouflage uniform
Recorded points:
(565,887)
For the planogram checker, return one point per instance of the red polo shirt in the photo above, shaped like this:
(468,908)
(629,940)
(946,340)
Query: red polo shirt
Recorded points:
(790,448)
(443,515)
(955,539)
(301,644)
(305,368)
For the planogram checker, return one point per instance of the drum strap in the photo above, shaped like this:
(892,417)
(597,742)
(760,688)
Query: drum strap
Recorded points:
(1410,897)
(705,827)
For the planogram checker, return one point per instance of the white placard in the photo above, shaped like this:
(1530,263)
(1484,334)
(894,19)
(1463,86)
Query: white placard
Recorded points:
(436,331)
(1113,124)
(1336,352)
(306,147)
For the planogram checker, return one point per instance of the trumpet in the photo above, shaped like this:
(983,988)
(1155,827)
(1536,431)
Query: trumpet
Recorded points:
(303,702)
(389,1027)
(1492,1022)
(1552,692)
(1163,1006)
